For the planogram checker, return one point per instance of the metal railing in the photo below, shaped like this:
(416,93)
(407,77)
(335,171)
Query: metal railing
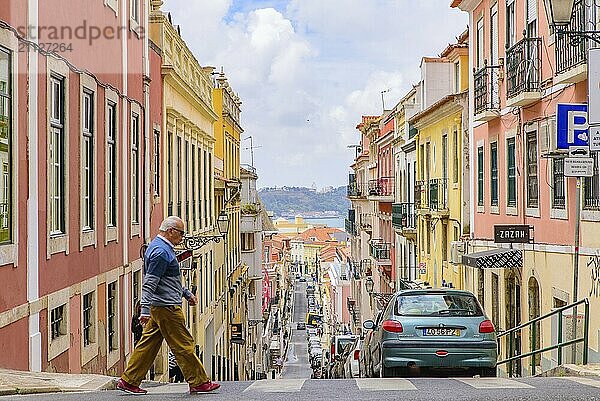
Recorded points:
(366,221)
(357,189)
(421,194)
(438,194)
(523,65)
(380,250)
(383,186)
(487,97)
(516,331)
(403,215)
(350,226)
(568,52)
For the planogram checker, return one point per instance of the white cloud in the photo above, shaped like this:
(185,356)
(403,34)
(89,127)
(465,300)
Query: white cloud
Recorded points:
(306,70)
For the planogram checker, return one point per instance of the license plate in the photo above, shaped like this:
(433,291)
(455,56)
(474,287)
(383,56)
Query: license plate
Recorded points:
(441,331)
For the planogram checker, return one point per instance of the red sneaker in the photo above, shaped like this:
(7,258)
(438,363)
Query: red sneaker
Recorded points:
(204,387)
(130,388)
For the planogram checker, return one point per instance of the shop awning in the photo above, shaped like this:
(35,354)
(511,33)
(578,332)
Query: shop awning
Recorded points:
(499,258)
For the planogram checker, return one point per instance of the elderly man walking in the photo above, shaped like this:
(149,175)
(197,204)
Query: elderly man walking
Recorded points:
(162,316)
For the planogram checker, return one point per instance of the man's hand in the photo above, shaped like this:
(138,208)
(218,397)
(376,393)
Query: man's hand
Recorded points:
(192,300)
(144,320)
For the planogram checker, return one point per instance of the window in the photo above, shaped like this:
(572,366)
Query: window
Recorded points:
(532,175)
(87,157)
(135,290)
(494,173)
(186,182)
(479,49)
(178,169)
(496,303)
(56,157)
(194,187)
(135,165)
(457,77)
(444,158)
(6,225)
(481,287)
(455,159)
(135,10)
(111,168)
(247,241)
(531,18)
(591,192)
(480,176)
(88,319)
(169,173)
(511,173)
(57,322)
(112,316)
(558,183)
(510,23)
(156,163)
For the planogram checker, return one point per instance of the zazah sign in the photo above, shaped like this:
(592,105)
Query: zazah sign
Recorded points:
(507,234)
(571,125)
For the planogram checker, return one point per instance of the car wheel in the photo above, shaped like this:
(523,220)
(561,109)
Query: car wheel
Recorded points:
(488,372)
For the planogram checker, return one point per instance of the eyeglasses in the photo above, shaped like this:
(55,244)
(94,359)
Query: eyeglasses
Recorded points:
(182,232)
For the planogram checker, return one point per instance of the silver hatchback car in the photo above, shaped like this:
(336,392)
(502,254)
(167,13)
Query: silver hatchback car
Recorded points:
(429,328)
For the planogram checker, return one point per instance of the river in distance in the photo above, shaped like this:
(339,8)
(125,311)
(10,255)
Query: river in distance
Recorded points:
(334,222)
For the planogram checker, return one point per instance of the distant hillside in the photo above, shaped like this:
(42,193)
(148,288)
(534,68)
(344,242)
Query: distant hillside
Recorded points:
(290,201)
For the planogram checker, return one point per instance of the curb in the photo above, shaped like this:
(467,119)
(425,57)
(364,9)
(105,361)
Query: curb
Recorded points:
(571,370)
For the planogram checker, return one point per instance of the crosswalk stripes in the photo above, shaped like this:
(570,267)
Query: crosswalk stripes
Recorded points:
(384,384)
(276,386)
(493,383)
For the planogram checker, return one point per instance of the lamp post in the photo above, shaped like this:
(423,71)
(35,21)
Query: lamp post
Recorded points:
(195,242)
(559,14)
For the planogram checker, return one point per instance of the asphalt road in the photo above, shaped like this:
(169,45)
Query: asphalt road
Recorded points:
(296,364)
(425,389)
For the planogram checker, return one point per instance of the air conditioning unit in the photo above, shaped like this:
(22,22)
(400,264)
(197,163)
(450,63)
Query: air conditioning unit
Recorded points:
(547,135)
(457,250)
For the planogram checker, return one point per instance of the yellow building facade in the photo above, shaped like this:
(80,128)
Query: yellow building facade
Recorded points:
(441,190)
(189,147)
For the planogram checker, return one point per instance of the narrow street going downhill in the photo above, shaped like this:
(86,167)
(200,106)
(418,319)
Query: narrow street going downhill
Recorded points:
(296,364)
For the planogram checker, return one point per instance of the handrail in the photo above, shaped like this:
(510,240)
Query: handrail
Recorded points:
(560,344)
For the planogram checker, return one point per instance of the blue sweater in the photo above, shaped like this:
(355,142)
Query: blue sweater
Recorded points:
(162,277)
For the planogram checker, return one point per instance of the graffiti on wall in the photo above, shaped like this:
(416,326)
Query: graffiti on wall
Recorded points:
(594,265)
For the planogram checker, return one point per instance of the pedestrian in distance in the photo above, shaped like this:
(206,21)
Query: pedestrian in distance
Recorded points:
(162,316)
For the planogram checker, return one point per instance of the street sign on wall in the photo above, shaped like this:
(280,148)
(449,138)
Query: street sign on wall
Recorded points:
(571,125)
(511,234)
(594,132)
(579,167)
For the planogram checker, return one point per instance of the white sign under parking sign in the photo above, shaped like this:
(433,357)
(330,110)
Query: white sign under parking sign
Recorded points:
(579,167)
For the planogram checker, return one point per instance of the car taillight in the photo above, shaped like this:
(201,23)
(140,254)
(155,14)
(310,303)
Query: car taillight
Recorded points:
(356,355)
(486,327)
(392,326)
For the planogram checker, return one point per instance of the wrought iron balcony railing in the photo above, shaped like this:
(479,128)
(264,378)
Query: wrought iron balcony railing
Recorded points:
(421,194)
(383,186)
(403,215)
(487,97)
(351,227)
(569,51)
(357,190)
(366,221)
(523,67)
(438,194)
(380,250)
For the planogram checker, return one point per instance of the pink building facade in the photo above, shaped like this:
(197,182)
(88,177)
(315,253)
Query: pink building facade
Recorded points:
(81,131)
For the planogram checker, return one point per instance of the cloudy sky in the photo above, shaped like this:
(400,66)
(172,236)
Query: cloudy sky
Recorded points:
(306,70)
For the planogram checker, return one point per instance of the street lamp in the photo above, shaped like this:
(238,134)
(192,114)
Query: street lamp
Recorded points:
(194,242)
(369,284)
(560,13)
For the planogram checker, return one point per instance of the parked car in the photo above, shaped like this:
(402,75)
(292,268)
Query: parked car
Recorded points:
(432,328)
(351,368)
(300,326)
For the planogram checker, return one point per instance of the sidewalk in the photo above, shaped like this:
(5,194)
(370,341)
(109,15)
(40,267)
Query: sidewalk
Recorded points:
(592,369)
(19,382)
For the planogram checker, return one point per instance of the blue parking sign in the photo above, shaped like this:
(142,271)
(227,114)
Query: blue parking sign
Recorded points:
(571,125)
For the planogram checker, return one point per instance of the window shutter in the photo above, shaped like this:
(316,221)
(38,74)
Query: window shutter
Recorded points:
(531,10)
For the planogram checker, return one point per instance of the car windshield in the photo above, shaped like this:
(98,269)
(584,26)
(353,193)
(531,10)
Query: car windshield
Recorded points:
(437,304)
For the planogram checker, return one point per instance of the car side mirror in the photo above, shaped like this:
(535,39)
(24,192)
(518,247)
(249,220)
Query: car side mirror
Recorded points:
(369,324)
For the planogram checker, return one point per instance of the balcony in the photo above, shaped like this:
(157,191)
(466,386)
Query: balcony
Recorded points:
(352,309)
(523,72)
(366,222)
(357,190)
(382,187)
(487,98)
(421,194)
(403,219)
(438,194)
(571,55)
(380,251)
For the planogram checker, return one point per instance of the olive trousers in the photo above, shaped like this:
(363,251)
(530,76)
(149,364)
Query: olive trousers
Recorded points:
(165,322)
